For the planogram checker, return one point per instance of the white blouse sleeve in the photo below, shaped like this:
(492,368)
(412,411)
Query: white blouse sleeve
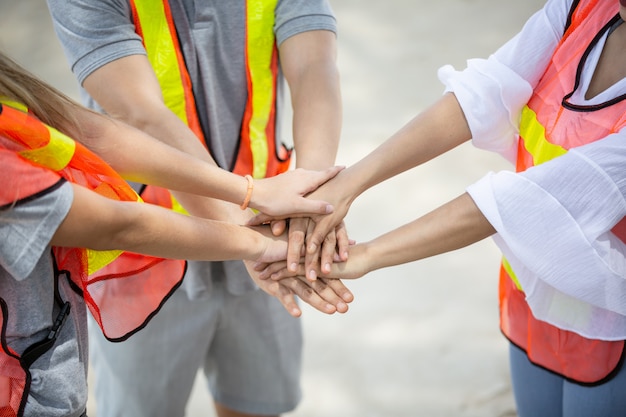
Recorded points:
(553,225)
(492,92)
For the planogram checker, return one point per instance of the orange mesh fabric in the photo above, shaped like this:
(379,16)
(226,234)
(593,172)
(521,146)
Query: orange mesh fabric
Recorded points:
(126,293)
(565,353)
(13,378)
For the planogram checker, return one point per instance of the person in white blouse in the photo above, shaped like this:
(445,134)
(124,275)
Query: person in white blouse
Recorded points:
(551,100)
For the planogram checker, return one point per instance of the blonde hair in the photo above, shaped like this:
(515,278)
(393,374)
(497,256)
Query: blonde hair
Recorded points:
(44,101)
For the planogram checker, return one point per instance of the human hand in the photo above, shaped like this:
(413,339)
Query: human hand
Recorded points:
(334,244)
(357,264)
(284,195)
(322,235)
(327,296)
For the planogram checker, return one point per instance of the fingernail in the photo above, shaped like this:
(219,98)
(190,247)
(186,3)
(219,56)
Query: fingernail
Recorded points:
(312,275)
(327,267)
(293,267)
(329,209)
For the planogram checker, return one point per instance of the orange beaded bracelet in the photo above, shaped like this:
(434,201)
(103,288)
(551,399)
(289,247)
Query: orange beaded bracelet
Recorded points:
(244,205)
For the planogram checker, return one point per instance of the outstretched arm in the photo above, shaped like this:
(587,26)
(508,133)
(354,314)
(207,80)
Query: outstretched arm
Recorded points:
(308,61)
(129,91)
(452,226)
(160,164)
(100,223)
(431,133)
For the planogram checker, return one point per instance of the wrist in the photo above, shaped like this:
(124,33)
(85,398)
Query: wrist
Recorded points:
(249,190)
(254,244)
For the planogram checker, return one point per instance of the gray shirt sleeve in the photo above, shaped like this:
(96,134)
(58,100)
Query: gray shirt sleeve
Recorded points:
(297,16)
(27,228)
(94,33)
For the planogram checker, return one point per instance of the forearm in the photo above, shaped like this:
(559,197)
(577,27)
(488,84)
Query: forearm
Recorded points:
(452,226)
(128,91)
(99,223)
(119,144)
(317,117)
(309,64)
(431,133)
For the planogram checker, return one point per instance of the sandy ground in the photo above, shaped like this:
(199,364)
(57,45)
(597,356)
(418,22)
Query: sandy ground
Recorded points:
(420,339)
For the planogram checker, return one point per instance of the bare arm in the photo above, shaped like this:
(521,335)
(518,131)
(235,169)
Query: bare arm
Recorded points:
(309,64)
(308,61)
(431,133)
(100,223)
(452,226)
(128,90)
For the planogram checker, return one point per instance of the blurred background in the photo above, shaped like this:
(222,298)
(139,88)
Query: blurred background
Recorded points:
(420,339)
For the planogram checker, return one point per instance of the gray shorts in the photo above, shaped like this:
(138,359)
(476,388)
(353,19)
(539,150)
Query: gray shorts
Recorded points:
(248,346)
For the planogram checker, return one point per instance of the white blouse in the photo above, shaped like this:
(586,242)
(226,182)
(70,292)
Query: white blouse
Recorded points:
(553,220)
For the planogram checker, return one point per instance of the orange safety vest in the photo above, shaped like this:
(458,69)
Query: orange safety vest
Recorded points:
(258,154)
(550,125)
(113,284)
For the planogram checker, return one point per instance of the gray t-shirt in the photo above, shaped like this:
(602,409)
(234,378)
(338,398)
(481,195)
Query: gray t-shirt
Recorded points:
(59,377)
(212,36)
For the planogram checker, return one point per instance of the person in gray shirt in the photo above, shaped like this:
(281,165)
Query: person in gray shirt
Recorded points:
(49,211)
(247,345)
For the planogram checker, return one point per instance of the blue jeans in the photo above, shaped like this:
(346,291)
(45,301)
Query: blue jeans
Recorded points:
(541,393)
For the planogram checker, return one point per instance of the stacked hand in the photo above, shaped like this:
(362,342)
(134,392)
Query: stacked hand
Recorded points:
(293,188)
(322,238)
(317,246)
(327,296)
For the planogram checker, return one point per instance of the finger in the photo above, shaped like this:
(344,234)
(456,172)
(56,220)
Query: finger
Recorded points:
(278,227)
(278,274)
(310,207)
(328,293)
(261,218)
(287,299)
(340,289)
(328,252)
(297,233)
(311,258)
(343,241)
(308,295)
(326,174)
(273,268)
(314,239)
(260,266)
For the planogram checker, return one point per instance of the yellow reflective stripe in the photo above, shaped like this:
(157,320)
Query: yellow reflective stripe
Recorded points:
(535,142)
(161,50)
(14,104)
(534,135)
(56,154)
(260,47)
(177,207)
(97,260)
(507,267)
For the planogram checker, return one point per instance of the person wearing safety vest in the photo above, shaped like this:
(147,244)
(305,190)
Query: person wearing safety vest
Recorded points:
(553,101)
(208,78)
(72,231)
